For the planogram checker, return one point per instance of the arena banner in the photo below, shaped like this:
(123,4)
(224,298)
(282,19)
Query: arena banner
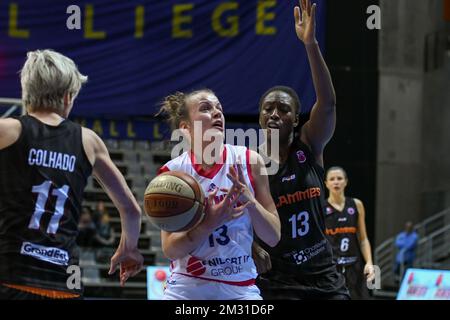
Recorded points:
(136,52)
(156,281)
(135,129)
(423,284)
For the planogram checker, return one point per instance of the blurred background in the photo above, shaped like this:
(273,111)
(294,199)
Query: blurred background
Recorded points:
(392,86)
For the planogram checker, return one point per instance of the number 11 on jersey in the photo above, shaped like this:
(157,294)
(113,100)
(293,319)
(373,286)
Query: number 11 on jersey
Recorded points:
(43,191)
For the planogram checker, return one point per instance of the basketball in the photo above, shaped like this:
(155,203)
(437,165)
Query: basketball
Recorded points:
(174,201)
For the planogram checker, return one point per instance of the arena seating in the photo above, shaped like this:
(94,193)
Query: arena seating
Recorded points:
(138,161)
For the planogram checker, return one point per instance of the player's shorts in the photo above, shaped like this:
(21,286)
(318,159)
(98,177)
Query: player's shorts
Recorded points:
(181,287)
(356,281)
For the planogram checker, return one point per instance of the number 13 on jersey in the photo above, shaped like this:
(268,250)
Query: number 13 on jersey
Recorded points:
(300,224)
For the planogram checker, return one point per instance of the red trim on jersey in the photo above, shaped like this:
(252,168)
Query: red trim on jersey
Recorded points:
(211,172)
(249,169)
(162,170)
(245,283)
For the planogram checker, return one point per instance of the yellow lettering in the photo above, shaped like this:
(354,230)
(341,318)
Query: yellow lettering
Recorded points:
(233,21)
(97,127)
(13,31)
(130,130)
(112,129)
(89,32)
(140,21)
(179,19)
(262,16)
(156,133)
(83,122)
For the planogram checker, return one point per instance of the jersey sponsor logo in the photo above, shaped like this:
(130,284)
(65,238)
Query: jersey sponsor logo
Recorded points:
(298,196)
(289,178)
(226,271)
(351,211)
(343,219)
(332,232)
(346,260)
(219,266)
(227,266)
(51,159)
(195,266)
(49,254)
(232,260)
(301,157)
(302,256)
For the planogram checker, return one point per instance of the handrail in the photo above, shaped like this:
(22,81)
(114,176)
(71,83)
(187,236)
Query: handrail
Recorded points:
(434,234)
(384,254)
(10,101)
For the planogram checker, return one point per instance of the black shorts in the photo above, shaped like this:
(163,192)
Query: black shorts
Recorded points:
(356,281)
(279,286)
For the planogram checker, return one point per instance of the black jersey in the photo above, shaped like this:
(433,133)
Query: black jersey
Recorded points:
(341,230)
(42,179)
(303,257)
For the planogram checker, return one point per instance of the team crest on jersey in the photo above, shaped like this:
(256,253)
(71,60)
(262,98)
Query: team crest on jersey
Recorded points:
(329,210)
(212,187)
(351,211)
(195,266)
(301,156)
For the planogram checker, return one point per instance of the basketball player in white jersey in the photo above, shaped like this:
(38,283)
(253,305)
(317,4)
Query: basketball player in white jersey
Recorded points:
(213,260)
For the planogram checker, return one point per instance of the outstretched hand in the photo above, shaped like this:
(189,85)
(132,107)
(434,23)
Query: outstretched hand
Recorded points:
(305,22)
(130,261)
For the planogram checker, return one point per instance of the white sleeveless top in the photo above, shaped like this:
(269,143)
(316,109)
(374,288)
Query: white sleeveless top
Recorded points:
(225,256)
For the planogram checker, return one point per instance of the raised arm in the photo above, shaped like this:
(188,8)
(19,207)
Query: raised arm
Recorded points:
(320,128)
(113,182)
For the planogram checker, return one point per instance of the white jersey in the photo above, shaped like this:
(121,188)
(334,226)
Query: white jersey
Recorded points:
(225,255)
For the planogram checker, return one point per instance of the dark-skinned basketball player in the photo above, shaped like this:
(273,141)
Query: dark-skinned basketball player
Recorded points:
(301,265)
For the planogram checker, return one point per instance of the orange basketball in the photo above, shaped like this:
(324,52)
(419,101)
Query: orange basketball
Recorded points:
(174,201)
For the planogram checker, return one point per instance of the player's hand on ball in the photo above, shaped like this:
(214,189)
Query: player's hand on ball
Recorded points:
(130,261)
(219,213)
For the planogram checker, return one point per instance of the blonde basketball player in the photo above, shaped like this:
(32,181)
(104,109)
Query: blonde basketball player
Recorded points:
(213,260)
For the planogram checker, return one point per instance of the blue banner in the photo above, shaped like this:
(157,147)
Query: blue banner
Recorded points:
(136,52)
(136,129)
